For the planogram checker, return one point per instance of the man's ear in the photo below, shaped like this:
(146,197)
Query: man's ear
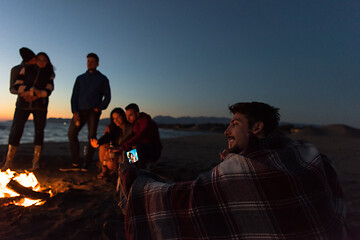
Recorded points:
(258,129)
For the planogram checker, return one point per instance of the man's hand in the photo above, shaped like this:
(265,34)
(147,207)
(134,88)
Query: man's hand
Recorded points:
(224,154)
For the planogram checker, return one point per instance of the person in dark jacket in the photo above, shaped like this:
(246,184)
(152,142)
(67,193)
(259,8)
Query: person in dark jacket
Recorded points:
(91,94)
(28,58)
(145,137)
(34,85)
(118,131)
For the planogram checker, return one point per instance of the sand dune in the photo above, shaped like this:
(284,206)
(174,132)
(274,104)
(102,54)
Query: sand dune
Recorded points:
(330,130)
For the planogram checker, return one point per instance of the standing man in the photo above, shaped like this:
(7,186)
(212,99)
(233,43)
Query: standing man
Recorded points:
(28,58)
(145,138)
(91,94)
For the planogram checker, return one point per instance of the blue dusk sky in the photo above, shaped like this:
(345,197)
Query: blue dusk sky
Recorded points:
(194,58)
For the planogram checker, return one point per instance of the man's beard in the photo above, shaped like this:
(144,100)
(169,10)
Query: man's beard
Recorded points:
(235,149)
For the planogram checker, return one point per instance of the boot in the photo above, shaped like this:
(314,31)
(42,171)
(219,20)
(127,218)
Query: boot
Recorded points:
(9,157)
(36,158)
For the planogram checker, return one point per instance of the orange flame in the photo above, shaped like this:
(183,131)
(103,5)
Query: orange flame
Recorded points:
(26,179)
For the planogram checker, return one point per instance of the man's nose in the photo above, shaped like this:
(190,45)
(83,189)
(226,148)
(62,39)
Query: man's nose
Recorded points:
(226,132)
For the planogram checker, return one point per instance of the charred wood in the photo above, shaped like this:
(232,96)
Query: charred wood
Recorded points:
(26,192)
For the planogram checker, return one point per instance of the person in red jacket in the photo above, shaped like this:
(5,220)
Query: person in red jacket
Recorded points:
(145,138)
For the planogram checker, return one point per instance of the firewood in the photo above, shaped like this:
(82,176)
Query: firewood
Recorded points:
(7,200)
(26,192)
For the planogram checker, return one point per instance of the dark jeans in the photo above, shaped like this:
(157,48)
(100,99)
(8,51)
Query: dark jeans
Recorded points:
(18,124)
(92,119)
(147,153)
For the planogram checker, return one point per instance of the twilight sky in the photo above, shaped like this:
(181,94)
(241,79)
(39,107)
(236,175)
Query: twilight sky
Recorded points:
(194,58)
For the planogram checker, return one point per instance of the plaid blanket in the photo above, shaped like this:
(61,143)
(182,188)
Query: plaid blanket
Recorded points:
(282,190)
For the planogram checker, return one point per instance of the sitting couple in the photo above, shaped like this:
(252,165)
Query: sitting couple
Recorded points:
(126,131)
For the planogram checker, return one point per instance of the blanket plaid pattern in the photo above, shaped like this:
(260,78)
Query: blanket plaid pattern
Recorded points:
(285,190)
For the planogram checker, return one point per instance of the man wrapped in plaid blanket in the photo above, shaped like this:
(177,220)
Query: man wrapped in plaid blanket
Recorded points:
(267,187)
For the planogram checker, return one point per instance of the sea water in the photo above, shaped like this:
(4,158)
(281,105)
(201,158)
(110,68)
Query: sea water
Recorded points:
(57,132)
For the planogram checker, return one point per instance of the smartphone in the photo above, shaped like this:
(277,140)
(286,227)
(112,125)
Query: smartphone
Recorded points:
(132,156)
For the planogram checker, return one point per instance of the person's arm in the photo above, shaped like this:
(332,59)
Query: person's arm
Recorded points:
(21,87)
(13,76)
(106,138)
(138,134)
(48,88)
(19,84)
(126,134)
(106,95)
(75,97)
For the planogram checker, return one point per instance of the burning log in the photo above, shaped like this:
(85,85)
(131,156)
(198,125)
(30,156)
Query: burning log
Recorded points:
(27,192)
(8,200)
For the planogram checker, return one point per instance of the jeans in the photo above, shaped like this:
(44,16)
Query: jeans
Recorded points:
(92,119)
(18,124)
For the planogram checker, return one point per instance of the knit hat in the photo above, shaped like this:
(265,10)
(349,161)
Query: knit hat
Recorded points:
(26,54)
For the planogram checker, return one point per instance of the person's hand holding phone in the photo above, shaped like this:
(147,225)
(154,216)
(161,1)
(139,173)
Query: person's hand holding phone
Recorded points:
(125,163)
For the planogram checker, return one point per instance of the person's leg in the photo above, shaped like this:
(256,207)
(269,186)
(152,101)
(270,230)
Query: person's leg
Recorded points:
(39,123)
(73,133)
(17,126)
(103,156)
(112,163)
(92,122)
(16,131)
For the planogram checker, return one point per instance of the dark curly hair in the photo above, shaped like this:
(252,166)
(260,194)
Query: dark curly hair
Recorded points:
(258,111)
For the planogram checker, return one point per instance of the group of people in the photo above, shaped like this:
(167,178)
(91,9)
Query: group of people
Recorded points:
(128,130)
(267,186)
(33,82)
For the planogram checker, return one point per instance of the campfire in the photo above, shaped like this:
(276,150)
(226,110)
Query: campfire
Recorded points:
(22,189)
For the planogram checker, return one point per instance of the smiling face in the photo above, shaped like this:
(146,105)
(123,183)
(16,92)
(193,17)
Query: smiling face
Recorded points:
(41,61)
(238,133)
(117,119)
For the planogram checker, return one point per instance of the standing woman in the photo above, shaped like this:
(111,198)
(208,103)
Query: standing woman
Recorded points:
(34,85)
(115,134)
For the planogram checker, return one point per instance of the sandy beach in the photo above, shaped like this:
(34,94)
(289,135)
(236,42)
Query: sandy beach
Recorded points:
(83,203)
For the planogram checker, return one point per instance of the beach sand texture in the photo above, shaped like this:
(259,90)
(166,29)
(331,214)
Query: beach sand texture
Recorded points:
(82,203)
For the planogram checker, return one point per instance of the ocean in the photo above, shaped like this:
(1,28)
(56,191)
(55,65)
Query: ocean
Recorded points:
(57,132)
